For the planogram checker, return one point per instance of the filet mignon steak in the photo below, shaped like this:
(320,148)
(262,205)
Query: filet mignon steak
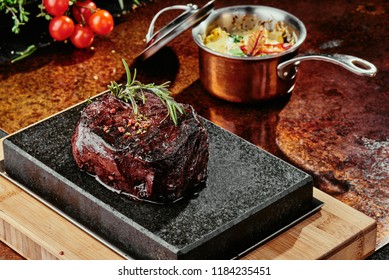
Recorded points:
(143,155)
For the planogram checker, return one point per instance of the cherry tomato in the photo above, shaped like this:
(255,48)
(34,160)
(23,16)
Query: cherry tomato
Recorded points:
(83,10)
(56,7)
(61,27)
(101,22)
(82,36)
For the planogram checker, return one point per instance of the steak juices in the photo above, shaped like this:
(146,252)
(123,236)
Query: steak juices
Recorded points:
(138,150)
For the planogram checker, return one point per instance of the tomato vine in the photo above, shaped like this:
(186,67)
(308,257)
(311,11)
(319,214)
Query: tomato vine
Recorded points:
(90,21)
(62,12)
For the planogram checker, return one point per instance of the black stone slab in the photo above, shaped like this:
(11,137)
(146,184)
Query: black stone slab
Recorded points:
(249,194)
(2,133)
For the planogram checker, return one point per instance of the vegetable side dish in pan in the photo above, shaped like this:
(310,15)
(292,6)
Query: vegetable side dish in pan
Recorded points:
(267,37)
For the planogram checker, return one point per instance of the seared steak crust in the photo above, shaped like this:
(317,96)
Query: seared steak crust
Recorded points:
(143,155)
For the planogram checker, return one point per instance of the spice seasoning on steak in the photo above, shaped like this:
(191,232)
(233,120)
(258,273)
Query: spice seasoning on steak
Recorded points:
(142,152)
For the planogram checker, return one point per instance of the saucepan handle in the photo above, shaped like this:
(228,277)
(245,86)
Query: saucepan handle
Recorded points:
(287,70)
(189,8)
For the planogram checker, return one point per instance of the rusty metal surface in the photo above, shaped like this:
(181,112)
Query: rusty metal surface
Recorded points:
(334,126)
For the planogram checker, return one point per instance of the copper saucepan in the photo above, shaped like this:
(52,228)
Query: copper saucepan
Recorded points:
(253,79)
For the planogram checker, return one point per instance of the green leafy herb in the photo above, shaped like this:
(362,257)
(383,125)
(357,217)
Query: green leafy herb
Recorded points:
(236,38)
(22,54)
(134,91)
(18,13)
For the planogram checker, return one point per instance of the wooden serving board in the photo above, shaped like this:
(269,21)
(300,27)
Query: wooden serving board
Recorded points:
(35,231)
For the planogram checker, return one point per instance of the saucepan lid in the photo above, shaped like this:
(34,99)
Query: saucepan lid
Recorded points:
(191,16)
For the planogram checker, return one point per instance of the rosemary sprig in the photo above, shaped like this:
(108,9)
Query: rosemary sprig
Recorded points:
(133,92)
(23,54)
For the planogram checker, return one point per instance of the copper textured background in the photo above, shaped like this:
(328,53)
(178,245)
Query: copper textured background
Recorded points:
(335,126)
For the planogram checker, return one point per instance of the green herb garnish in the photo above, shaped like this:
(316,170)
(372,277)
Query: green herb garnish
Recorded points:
(133,92)
(22,54)
(17,11)
(236,38)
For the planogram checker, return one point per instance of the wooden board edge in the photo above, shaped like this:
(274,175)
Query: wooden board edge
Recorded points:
(363,244)
(30,247)
(43,227)
(359,248)
(22,244)
(359,244)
